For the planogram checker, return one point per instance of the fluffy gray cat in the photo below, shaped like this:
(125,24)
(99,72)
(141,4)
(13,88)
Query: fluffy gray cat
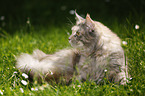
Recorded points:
(96,54)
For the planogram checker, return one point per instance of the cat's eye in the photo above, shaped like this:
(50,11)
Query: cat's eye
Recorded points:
(91,30)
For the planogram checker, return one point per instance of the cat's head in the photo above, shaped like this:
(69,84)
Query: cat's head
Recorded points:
(83,33)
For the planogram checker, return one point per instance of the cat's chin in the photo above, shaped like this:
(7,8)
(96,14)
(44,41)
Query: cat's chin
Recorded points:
(74,45)
(79,45)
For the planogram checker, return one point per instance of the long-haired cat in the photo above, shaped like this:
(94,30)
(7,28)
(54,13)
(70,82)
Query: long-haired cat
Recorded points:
(96,54)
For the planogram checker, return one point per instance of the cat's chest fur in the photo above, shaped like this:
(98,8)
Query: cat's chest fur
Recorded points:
(85,61)
(86,66)
(93,66)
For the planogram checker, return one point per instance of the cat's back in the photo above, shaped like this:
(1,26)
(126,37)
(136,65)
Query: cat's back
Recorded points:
(104,30)
(109,39)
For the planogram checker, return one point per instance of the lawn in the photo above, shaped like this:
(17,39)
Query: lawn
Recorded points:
(48,28)
(51,39)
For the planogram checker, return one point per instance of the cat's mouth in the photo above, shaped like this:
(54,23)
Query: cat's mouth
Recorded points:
(74,44)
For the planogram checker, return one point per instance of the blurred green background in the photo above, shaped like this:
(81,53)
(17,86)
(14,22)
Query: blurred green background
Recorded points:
(26,25)
(14,13)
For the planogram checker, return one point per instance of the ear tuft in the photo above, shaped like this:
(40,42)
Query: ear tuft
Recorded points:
(88,15)
(78,18)
(89,22)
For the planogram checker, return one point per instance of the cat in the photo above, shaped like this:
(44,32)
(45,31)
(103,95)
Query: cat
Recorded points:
(96,54)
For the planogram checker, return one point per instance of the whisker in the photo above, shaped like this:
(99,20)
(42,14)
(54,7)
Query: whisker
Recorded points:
(67,32)
(72,24)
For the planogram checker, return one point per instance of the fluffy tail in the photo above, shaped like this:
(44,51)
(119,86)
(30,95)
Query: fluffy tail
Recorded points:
(49,66)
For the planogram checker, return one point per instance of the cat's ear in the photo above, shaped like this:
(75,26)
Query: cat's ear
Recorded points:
(78,18)
(89,22)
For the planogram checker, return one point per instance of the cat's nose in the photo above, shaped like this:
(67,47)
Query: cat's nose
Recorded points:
(69,38)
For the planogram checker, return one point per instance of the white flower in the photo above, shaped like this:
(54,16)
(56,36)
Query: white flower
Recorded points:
(34,89)
(15,72)
(28,21)
(41,88)
(124,42)
(22,90)
(79,85)
(136,26)
(130,78)
(1,92)
(51,73)
(2,18)
(30,94)
(72,12)
(131,89)
(25,75)
(105,70)
(24,82)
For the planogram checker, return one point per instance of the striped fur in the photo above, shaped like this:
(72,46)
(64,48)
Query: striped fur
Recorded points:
(96,53)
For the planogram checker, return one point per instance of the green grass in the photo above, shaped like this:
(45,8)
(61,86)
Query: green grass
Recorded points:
(52,39)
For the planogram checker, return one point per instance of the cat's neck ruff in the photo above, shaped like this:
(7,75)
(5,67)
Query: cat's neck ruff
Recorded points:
(92,50)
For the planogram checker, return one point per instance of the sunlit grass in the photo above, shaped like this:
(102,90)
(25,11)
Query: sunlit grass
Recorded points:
(52,39)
